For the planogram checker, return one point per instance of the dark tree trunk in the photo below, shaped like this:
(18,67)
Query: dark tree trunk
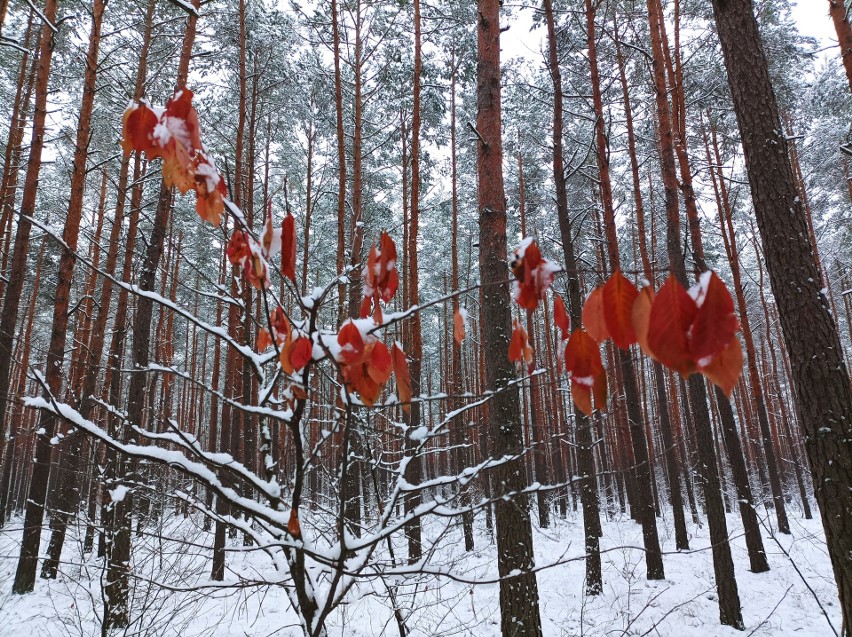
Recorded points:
(585,449)
(819,373)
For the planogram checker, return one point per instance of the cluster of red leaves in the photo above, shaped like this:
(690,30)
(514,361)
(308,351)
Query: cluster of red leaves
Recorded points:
(379,276)
(172,133)
(534,274)
(244,252)
(688,331)
(367,365)
(295,349)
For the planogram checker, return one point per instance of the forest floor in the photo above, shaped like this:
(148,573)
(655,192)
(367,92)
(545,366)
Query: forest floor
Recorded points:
(785,601)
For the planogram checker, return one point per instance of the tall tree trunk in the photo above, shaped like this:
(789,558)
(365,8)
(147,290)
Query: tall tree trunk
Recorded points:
(341,159)
(56,348)
(723,564)
(583,425)
(644,508)
(25,575)
(414,467)
(819,373)
(458,428)
(12,297)
(519,604)
(840,17)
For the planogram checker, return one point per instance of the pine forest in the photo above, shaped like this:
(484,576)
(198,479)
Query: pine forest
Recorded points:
(417,318)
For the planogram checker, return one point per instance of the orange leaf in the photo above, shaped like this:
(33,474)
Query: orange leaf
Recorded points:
(300,352)
(618,296)
(388,278)
(458,325)
(352,344)
(380,365)
(284,355)
(715,324)
(520,350)
(560,316)
(288,247)
(264,340)
(671,317)
(726,367)
(403,379)
(582,396)
(293,527)
(593,316)
(582,358)
(641,317)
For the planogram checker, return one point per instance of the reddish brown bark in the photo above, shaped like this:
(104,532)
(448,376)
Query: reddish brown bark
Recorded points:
(415,353)
(519,604)
(840,18)
(823,390)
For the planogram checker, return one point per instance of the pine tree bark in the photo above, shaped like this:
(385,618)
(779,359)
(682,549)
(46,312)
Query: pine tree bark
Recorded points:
(458,428)
(25,575)
(414,467)
(583,425)
(819,373)
(519,602)
(840,18)
(12,296)
(56,349)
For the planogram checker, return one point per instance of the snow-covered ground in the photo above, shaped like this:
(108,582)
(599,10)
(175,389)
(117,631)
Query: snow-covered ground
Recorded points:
(683,605)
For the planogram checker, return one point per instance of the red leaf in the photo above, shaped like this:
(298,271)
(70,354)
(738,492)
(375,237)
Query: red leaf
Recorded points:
(380,365)
(403,379)
(618,296)
(671,317)
(366,306)
(534,274)
(560,316)
(288,247)
(593,316)
(351,342)
(388,279)
(715,324)
(238,248)
(582,397)
(582,358)
(520,350)
(300,352)
(726,367)
(137,129)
